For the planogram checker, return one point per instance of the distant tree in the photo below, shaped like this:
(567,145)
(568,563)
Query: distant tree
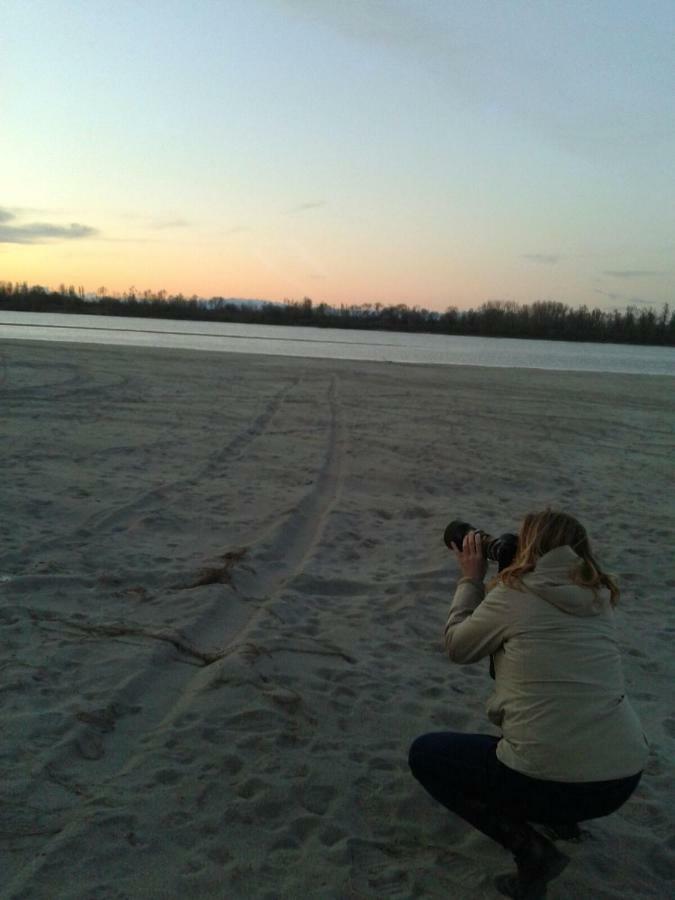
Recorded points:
(545,319)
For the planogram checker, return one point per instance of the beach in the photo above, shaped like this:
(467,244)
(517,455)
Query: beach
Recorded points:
(222,594)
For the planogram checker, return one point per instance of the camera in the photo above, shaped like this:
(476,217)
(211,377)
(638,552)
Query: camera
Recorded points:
(501,550)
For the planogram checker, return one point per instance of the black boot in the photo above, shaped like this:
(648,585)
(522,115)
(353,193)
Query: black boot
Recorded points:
(566,833)
(537,860)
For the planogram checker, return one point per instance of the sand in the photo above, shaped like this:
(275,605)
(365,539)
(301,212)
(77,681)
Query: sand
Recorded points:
(222,593)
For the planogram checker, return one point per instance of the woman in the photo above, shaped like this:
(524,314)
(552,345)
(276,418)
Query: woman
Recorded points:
(571,746)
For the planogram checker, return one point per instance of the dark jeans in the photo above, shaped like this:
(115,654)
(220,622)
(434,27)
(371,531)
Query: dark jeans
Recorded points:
(463,773)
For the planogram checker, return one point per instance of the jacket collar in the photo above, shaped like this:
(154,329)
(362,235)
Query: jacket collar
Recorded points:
(558,558)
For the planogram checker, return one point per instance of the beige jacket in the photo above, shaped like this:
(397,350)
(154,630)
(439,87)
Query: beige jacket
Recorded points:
(559,692)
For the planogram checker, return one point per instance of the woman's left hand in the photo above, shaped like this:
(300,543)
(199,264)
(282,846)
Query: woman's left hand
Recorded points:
(470,558)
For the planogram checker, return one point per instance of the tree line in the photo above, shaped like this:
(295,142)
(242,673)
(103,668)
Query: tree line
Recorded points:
(543,320)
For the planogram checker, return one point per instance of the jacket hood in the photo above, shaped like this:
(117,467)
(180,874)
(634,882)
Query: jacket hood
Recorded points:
(551,580)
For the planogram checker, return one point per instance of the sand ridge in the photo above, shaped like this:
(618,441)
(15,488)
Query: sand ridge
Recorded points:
(223,588)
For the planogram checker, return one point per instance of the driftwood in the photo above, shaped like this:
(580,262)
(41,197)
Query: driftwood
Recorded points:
(113,630)
(213,575)
(221,574)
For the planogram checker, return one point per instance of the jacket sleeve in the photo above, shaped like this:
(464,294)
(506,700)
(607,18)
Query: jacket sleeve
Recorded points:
(476,627)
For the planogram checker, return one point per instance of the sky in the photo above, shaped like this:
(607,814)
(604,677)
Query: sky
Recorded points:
(430,152)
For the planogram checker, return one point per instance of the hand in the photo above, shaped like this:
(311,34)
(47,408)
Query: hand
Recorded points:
(470,558)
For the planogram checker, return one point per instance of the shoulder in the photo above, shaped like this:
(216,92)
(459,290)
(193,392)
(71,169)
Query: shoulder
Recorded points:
(502,593)
(510,602)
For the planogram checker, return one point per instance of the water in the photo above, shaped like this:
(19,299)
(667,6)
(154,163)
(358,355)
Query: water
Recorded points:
(336,343)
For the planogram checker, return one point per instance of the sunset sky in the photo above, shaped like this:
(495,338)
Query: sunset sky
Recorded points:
(429,152)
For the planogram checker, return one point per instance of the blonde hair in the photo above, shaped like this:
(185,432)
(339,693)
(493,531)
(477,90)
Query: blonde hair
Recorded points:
(544,531)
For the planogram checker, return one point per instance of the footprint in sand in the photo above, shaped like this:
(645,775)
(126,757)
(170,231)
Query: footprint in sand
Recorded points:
(416,512)
(90,745)
(662,862)
(231,765)
(251,788)
(317,799)
(331,836)
(167,776)
(303,826)
(286,842)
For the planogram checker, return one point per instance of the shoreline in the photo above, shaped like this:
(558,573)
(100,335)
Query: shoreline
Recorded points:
(298,342)
(347,363)
(145,348)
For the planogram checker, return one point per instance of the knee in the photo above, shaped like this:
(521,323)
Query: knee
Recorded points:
(418,753)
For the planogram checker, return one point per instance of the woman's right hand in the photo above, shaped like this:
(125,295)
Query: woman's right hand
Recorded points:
(470,558)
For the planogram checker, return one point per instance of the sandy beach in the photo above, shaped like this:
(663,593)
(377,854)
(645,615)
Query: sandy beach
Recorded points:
(222,594)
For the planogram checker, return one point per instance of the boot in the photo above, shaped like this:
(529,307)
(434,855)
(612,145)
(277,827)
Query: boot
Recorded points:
(565,833)
(537,860)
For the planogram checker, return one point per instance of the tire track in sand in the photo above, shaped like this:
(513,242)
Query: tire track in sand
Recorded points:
(110,745)
(228,453)
(275,560)
(157,497)
(281,555)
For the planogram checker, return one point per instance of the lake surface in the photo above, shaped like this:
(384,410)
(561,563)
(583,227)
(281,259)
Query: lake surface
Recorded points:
(337,343)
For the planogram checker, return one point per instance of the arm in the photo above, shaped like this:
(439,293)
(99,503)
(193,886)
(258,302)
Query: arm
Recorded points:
(475,627)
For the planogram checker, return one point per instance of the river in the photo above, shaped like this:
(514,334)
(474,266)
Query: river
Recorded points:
(337,343)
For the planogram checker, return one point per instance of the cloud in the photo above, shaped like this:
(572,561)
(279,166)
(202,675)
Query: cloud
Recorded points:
(39,232)
(381,23)
(548,259)
(542,71)
(303,207)
(631,273)
(624,298)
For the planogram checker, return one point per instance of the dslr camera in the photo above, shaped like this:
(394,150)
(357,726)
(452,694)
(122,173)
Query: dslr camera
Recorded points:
(501,550)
